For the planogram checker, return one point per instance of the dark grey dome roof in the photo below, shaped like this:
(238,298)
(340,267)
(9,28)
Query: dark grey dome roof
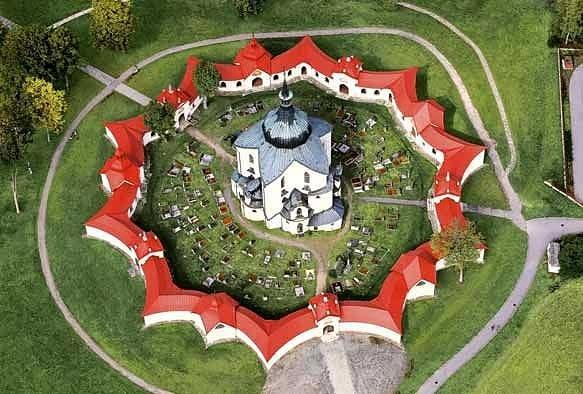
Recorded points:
(286,126)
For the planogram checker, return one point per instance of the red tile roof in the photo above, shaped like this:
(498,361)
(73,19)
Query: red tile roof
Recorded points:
(305,51)
(324,305)
(448,212)
(119,169)
(129,135)
(349,65)
(186,90)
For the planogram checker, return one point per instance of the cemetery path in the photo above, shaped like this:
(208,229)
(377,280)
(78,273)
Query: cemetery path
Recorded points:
(72,17)
(487,71)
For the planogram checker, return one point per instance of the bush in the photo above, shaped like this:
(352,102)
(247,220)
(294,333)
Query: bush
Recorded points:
(571,257)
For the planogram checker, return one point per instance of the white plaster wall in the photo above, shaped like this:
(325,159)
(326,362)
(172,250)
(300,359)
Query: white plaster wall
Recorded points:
(372,329)
(158,253)
(96,233)
(220,335)
(322,201)
(105,183)
(451,196)
(329,227)
(440,264)
(475,164)
(249,213)
(423,291)
(244,164)
(427,149)
(274,222)
(176,316)
(110,137)
(292,225)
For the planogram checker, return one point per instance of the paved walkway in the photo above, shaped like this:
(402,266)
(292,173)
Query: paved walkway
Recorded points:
(120,87)
(489,76)
(576,102)
(71,17)
(7,22)
(540,233)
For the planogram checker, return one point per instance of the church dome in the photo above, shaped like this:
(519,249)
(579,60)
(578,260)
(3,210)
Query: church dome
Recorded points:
(286,127)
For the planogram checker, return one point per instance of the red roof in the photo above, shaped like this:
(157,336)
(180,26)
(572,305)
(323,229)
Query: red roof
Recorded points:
(429,113)
(415,267)
(324,305)
(370,313)
(448,211)
(186,90)
(119,169)
(253,56)
(305,51)
(129,135)
(349,65)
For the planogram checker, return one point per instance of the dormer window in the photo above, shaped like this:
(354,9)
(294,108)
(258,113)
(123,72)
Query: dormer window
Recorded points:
(239,83)
(223,84)
(306,177)
(377,92)
(275,77)
(251,159)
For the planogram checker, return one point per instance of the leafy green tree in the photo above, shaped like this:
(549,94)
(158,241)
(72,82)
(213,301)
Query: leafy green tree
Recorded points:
(571,257)
(159,117)
(570,15)
(112,24)
(207,79)
(248,7)
(64,53)
(35,51)
(457,244)
(46,105)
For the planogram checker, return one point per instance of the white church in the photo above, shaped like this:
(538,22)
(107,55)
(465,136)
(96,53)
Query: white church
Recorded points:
(284,173)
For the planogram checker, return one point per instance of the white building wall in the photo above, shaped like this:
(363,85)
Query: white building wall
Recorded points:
(321,202)
(253,214)
(475,164)
(244,163)
(372,329)
(105,183)
(421,291)
(96,233)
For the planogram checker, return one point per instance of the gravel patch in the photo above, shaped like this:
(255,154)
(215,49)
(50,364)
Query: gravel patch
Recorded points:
(368,365)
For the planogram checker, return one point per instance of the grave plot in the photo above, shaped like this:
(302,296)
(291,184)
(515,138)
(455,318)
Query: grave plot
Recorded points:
(378,235)
(208,249)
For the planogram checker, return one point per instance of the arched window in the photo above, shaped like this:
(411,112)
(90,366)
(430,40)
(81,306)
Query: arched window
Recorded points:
(223,84)
(304,70)
(326,79)
(282,182)
(377,92)
(257,82)
(433,151)
(275,77)
(251,159)
(363,91)
(289,72)
(343,88)
(391,97)
(306,177)
(317,74)
(239,84)
(299,212)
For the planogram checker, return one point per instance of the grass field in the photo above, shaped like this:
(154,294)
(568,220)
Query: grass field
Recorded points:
(42,12)
(90,275)
(435,329)
(39,351)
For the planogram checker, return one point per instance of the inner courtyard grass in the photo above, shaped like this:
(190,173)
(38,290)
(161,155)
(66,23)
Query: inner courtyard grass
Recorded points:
(372,256)
(206,248)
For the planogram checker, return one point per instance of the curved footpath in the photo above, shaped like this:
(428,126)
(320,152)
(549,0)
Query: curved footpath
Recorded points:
(539,231)
(487,70)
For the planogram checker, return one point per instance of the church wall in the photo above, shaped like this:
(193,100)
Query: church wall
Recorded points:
(254,214)
(96,233)
(424,290)
(366,328)
(321,202)
(434,154)
(244,163)
(475,164)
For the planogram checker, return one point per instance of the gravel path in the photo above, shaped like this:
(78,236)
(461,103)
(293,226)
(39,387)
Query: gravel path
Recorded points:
(71,17)
(489,76)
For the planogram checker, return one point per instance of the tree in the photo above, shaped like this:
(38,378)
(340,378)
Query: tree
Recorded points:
(248,7)
(159,117)
(35,51)
(3,31)
(570,15)
(46,105)
(571,256)
(457,244)
(112,24)
(207,78)
(64,53)
(15,134)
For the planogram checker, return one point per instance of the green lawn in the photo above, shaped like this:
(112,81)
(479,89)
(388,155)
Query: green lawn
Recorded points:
(435,329)
(39,352)
(91,274)
(472,375)
(546,355)
(44,12)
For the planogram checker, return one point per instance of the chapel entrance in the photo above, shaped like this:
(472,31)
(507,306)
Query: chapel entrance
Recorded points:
(257,82)
(343,88)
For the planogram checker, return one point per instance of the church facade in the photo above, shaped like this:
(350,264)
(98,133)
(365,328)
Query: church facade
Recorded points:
(284,173)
